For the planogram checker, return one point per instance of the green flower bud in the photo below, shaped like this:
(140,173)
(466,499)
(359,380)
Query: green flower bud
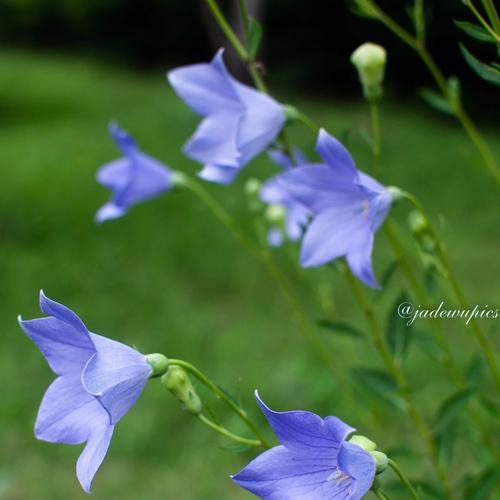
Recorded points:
(381,461)
(159,364)
(178,179)
(363,442)
(177,381)
(275,214)
(252,187)
(370,60)
(417,222)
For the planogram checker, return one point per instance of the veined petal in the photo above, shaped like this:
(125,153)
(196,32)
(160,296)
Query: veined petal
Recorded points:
(319,187)
(67,412)
(279,474)
(93,454)
(332,234)
(305,432)
(218,173)
(360,466)
(359,258)
(62,338)
(214,141)
(297,216)
(206,88)
(336,156)
(116,375)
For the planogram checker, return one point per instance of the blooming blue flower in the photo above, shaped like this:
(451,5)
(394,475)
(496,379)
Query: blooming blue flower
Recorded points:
(239,122)
(313,461)
(274,192)
(132,179)
(98,381)
(348,205)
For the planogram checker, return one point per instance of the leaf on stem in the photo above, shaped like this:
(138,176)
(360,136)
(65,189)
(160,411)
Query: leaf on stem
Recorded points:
(452,408)
(254,38)
(475,31)
(399,332)
(340,328)
(436,101)
(485,71)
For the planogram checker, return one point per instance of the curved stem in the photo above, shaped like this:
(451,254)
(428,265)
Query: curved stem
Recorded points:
(220,394)
(226,28)
(400,379)
(394,466)
(380,495)
(489,6)
(481,19)
(228,434)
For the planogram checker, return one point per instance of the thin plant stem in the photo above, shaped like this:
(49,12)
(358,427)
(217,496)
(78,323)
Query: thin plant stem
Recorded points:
(228,434)
(220,394)
(376,139)
(380,495)
(473,325)
(481,19)
(400,379)
(462,116)
(419,20)
(491,10)
(245,17)
(394,466)
(226,28)
(265,258)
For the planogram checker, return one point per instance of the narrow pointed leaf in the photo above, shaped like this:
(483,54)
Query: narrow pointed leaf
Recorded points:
(398,332)
(340,328)
(254,38)
(485,71)
(452,408)
(436,101)
(475,31)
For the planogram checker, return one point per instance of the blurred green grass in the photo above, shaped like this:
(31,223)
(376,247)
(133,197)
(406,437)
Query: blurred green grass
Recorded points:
(168,278)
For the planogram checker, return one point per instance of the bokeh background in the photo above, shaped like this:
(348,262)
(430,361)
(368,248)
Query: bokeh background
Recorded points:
(167,277)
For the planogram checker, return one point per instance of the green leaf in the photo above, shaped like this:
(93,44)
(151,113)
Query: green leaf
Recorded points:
(398,332)
(436,101)
(254,38)
(475,31)
(339,327)
(491,405)
(485,71)
(451,408)
(446,440)
(380,383)
(483,485)
(242,448)
(474,371)
(389,273)
(428,344)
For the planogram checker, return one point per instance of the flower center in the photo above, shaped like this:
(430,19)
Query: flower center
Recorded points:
(338,476)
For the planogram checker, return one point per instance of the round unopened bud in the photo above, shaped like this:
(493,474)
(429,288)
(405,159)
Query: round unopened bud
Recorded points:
(363,442)
(177,381)
(291,112)
(275,214)
(417,222)
(370,60)
(159,364)
(178,178)
(381,461)
(252,187)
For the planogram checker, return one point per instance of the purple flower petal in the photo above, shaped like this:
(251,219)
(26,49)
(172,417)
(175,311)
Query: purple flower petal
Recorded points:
(219,174)
(109,211)
(274,237)
(360,466)
(303,431)
(116,375)
(359,258)
(115,174)
(93,454)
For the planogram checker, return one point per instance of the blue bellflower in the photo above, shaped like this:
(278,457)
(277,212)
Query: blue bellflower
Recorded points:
(313,461)
(348,205)
(98,381)
(132,179)
(239,122)
(273,192)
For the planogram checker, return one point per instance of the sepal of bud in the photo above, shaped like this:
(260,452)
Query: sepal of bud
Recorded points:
(159,364)
(381,461)
(363,442)
(291,112)
(177,381)
(370,60)
(275,214)
(252,187)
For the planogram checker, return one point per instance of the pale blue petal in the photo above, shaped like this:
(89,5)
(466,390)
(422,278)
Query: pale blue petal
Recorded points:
(359,258)
(360,466)
(215,141)
(109,211)
(218,174)
(123,139)
(305,432)
(206,88)
(274,237)
(297,217)
(332,234)
(93,454)
(116,375)
(115,174)
(336,156)
(67,412)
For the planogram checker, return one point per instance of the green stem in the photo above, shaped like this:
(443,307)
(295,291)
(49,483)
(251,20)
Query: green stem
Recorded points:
(492,14)
(226,28)
(481,19)
(400,379)
(245,17)
(481,338)
(220,394)
(419,47)
(228,434)
(419,20)
(380,495)
(305,120)
(376,137)
(394,466)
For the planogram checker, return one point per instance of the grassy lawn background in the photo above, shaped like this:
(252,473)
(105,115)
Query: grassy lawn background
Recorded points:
(168,278)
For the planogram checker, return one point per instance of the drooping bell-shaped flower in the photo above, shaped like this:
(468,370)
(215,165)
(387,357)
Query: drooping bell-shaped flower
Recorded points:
(348,206)
(98,381)
(239,121)
(274,192)
(313,462)
(132,179)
